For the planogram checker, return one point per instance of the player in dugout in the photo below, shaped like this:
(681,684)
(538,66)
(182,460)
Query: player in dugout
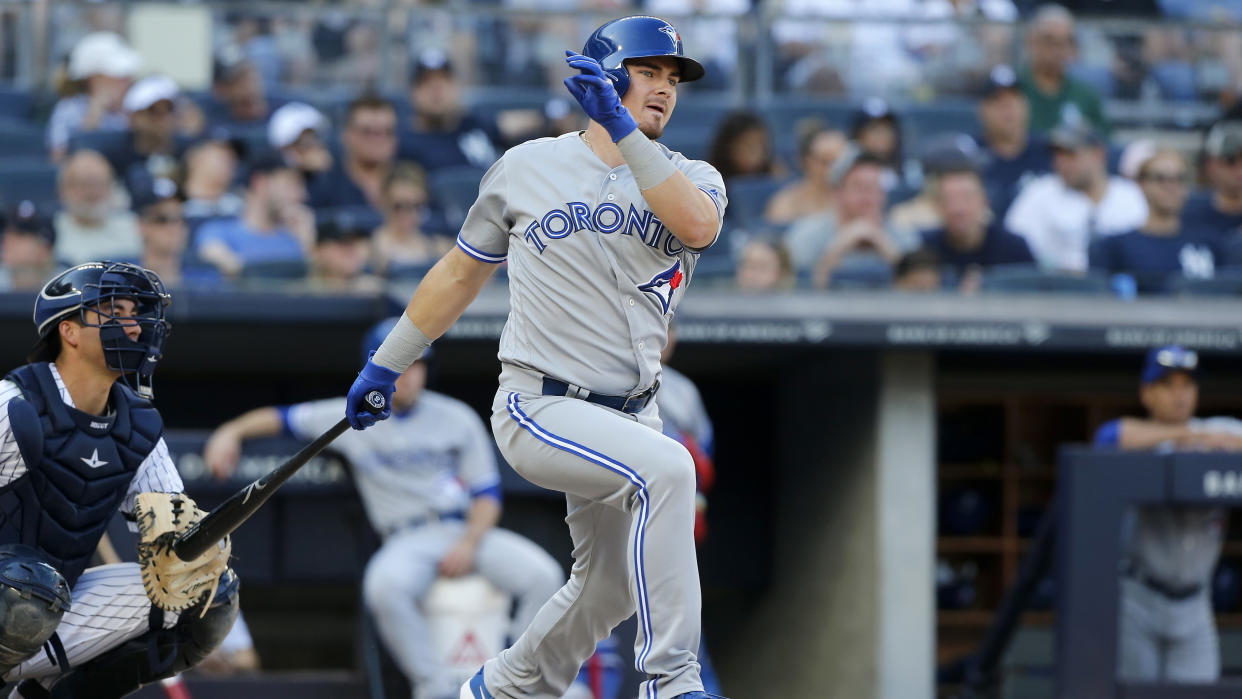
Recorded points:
(1167,632)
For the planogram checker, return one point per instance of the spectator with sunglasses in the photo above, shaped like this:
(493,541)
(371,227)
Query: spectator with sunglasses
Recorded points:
(156,139)
(399,244)
(368,152)
(1162,247)
(160,208)
(1167,631)
(1218,212)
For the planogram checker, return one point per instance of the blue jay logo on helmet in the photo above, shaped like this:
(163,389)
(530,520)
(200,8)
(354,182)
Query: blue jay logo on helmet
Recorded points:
(93,287)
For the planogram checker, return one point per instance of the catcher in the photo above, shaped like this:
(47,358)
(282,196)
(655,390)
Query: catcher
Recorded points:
(76,444)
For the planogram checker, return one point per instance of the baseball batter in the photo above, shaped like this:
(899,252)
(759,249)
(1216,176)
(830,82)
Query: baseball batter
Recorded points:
(1167,631)
(601,230)
(428,480)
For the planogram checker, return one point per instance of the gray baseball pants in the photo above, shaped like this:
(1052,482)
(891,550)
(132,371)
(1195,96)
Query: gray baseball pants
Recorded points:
(1166,640)
(630,495)
(406,565)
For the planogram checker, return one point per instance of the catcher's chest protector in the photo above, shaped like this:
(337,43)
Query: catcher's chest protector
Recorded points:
(63,503)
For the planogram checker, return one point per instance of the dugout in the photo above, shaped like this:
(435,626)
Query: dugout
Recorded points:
(840,418)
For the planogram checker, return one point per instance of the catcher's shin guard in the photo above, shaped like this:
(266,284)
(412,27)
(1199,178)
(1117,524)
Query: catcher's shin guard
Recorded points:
(157,654)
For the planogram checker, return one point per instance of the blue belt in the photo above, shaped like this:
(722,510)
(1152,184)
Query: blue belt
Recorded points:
(626,404)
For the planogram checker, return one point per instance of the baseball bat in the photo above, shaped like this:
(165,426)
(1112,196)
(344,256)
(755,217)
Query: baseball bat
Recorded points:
(229,514)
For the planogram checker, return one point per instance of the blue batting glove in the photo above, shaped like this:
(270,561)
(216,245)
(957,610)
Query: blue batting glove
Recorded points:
(373,377)
(598,96)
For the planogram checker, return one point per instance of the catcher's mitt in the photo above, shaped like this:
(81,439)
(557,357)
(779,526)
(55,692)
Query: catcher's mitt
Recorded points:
(171,583)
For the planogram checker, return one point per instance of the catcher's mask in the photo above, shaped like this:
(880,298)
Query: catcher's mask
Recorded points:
(93,286)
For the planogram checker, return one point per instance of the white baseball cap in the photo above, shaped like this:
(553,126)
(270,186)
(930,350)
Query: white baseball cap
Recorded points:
(150,90)
(1134,157)
(288,123)
(103,53)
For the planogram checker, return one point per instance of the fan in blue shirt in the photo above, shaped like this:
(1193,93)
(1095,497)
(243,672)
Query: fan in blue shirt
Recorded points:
(275,226)
(1162,249)
(443,133)
(1219,212)
(368,152)
(1014,155)
(967,239)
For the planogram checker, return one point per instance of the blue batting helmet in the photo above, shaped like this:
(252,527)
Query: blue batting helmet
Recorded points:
(376,334)
(637,37)
(91,286)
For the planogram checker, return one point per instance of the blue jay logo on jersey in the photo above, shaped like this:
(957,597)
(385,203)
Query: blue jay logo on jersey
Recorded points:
(664,284)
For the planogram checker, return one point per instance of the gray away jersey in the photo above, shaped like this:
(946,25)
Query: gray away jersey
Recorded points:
(594,276)
(1179,545)
(429,461)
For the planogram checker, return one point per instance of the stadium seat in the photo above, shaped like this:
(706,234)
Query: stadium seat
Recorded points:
(32,178)
(21,138)
(408,273)
(275,270)
(492,101)
(748,197)
(1027,279)
(920,122)
(688,138)
(867,273)
(16,103)
(454,189)
(1226,282)
(785,115)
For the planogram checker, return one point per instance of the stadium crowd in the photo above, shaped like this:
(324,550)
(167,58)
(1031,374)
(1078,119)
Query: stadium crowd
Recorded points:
(1025,182)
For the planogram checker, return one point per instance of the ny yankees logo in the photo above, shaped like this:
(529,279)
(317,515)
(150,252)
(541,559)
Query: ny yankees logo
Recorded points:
(94,461)
(664,284)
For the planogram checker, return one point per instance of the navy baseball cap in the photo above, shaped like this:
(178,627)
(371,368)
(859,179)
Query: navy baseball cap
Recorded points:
(154,191)
(1075,136)
(428,61)
(871,109)
(26,218)
(1001,78)
(1163,361)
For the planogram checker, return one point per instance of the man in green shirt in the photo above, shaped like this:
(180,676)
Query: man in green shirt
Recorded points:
(1056,98)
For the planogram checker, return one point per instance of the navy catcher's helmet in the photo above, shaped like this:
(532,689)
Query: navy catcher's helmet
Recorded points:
(637,37)
(89,285)
(375,337)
